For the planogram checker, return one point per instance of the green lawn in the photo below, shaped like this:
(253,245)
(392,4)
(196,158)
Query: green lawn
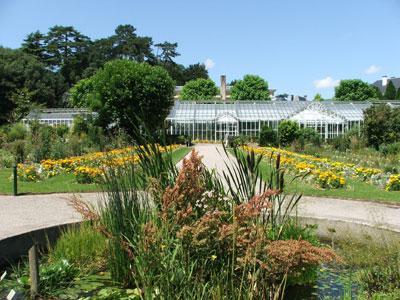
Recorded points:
(180,153)
(64,183)
(354,189)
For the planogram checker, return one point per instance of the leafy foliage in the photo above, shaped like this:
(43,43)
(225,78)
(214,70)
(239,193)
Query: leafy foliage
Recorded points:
(398,94)
(309,135)
(23,81)
(355,90)
(251,87)
(123,90)
(199,89)
(48,64)
(318,97)
(288,132)
(381,125)
(390,92)
(268,136)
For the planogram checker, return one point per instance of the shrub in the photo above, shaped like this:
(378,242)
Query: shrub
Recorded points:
(288,132)
(80,126)
(18,149)
(236,141)
(42,142)
(6,159)
(310,136)
(391,149)
(77,145)
(268,136)
(17,131)
(341,143)
(59,149)
(199,89)
(62,130)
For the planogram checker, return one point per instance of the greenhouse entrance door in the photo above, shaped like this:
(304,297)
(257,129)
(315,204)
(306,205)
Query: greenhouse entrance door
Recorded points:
(226,126)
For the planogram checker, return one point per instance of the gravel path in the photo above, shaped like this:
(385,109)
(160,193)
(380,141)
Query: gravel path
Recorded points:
(30,212)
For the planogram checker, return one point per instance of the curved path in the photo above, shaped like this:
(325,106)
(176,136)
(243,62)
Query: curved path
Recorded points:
(23,214)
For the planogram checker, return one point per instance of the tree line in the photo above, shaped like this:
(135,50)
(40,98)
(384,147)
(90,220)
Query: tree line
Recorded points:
(358,90)
(48,64)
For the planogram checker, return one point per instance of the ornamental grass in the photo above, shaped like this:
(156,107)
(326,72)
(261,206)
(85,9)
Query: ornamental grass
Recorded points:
(188,234)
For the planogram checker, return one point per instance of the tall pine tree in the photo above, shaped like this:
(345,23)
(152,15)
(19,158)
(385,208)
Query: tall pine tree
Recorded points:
(390,93)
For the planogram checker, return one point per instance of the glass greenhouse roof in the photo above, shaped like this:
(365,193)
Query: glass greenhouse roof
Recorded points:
(306,111)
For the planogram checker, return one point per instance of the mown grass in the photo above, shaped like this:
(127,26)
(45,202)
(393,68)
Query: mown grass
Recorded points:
(354,189)
(63,183)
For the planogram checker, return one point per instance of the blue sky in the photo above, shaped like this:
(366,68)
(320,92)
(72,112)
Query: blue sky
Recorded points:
(300,46)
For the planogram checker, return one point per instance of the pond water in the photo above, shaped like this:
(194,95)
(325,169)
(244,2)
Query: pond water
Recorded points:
(333,282)
(360,252)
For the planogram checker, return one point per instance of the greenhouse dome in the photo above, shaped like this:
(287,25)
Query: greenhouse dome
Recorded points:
(218,120)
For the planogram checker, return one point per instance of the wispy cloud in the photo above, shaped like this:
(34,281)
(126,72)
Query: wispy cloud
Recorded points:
(209,63)
(372,69)
(326,83)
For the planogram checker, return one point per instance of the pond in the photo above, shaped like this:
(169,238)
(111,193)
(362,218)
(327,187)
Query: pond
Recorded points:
(366,259)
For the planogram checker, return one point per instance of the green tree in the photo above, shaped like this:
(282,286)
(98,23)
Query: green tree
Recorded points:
(378,93)
(128,45)
(182,74)
(318,97)
(199,89)
(251,87)
(288,132)
(195,71)
(82,94)
(34,44)
(398,94)
(20,71)
(381,125)
(355,90)
(390,92)
(167,52)
(66,50)
(124,89)
(22,101)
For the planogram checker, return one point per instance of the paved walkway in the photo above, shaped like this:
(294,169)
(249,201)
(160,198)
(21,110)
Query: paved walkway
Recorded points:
(30,212)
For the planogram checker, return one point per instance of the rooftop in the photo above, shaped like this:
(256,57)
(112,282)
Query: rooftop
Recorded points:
(336,111)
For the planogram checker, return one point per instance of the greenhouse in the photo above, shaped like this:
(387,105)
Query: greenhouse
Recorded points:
(219,120)
(56,116)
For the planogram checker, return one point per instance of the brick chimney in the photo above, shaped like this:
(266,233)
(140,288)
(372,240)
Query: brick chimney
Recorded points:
(223,87)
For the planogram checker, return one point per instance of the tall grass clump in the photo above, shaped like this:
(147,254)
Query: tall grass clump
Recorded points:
(83,246)
(188,234)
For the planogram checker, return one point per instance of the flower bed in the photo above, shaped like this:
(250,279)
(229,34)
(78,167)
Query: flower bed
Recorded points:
(87,168)
(327,173)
